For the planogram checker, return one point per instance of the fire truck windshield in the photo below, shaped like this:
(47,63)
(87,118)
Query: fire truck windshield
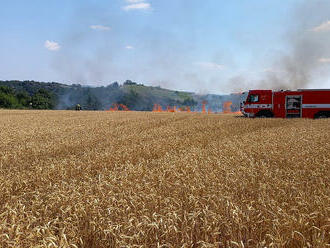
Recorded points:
(253,98)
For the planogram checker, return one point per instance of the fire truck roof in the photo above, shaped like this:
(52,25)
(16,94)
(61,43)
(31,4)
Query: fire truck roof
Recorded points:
(313,89)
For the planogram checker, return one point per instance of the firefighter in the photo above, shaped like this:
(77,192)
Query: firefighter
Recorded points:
(78,107)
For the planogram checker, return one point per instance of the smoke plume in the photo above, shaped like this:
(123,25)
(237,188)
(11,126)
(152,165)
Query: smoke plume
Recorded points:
(168,62)
(305,62)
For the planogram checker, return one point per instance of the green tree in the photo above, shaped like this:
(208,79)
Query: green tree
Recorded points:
(8,98)
(23,98)
(42,100)
(130,99)
(6,90)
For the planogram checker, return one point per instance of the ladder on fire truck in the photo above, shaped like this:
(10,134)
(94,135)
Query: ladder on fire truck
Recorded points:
(293,106)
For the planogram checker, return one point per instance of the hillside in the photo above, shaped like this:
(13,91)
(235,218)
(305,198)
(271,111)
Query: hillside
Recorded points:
(135,96)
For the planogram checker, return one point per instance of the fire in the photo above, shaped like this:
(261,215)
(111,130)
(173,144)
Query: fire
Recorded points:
(204,107)
(118,107)
(157,108)
(226,108)
(174,109)
(171,109)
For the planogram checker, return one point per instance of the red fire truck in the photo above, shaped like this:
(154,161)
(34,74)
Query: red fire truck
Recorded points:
(287,104)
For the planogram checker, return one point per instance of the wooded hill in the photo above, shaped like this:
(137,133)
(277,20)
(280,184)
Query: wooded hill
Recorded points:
(51,95)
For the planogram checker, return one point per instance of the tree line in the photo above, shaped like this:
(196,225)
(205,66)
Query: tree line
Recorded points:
(12,99)
(40,95)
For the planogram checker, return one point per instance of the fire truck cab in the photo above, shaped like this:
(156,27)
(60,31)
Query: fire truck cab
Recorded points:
(287,104)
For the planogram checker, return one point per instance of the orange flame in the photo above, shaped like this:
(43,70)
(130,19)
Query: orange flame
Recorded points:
(204,107)
(226,109)
(175,109)
(157,108)
(171,109)
(118,107)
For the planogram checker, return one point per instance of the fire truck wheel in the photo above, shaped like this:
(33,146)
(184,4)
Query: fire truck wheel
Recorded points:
(264,114)
(322,115)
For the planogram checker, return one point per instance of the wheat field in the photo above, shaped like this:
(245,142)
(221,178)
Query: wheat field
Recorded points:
(138,179)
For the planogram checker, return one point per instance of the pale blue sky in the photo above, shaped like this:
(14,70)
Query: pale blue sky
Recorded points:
(190,45)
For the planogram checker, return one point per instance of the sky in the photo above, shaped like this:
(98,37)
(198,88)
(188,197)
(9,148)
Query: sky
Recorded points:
(203,46)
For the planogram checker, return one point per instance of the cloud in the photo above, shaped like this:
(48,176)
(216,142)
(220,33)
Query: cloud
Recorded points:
(129,47)
(323,27)
(324,60)
(137,6)
(100,27)
(210,65)
(52,45)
